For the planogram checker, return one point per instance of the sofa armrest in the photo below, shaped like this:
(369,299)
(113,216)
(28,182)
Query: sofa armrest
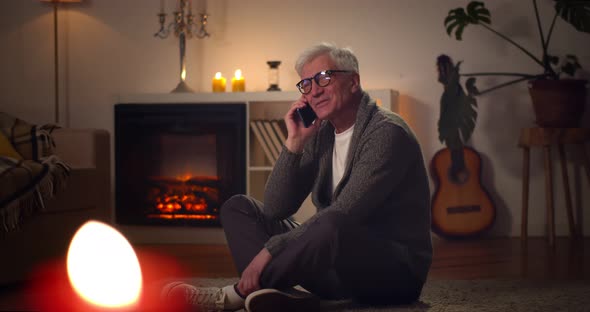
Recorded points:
(87,152)
(83,148)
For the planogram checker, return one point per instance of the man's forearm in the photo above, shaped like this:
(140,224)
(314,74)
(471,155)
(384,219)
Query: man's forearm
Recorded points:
(288,185)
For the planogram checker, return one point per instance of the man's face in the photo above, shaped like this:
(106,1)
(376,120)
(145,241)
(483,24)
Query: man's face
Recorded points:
(328,101)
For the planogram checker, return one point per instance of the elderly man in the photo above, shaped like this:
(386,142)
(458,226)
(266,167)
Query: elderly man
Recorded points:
(370,238)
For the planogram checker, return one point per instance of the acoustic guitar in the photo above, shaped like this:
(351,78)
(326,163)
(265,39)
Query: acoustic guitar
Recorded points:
(461,207)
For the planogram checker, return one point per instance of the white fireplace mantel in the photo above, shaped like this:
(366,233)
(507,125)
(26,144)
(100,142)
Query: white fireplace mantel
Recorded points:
(385,97)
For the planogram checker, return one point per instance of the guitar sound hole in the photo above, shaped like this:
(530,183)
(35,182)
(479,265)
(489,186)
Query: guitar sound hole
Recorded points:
(463,209)
(458,176)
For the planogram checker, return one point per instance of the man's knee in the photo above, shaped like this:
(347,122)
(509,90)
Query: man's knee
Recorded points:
(237,204)
(331,225)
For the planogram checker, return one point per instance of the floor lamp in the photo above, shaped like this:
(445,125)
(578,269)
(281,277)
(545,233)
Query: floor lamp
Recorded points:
(56,4)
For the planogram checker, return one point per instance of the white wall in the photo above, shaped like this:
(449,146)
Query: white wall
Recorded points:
(107,48)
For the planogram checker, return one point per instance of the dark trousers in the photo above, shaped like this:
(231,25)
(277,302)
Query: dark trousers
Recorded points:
(335,258)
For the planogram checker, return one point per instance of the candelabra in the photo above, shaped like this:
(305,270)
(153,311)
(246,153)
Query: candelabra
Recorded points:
(184,26)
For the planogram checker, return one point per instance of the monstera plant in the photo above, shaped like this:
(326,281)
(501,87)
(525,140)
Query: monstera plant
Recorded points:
(557,102)
(457,107)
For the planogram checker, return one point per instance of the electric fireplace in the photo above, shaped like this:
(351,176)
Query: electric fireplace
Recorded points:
(175,164)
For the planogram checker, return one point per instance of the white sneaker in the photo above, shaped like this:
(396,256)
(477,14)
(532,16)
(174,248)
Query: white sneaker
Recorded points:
(272,300)
(203,299)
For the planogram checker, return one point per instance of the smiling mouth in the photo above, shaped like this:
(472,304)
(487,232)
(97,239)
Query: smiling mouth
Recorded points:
(320,103)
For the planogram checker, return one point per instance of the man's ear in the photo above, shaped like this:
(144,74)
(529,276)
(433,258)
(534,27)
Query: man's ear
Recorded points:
(355,83)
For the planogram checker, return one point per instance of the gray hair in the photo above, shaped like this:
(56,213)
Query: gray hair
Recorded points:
(344,58)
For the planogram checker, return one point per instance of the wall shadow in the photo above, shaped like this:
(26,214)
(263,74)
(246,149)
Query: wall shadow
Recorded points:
(503,223)
(502,115)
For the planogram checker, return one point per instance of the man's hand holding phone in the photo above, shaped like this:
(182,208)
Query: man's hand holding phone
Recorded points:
(307,115)
(302,123)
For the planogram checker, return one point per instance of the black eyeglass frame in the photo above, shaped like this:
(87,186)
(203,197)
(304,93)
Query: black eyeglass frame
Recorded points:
(316,78)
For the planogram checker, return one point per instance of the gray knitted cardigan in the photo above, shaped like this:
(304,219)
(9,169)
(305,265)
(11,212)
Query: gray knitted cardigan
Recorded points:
(384,186)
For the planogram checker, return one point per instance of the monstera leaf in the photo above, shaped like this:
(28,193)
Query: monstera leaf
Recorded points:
(457,108)
(457,119)
(458,19)
(575,12)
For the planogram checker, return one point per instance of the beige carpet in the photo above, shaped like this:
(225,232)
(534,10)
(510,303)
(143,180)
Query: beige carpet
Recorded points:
(476,295)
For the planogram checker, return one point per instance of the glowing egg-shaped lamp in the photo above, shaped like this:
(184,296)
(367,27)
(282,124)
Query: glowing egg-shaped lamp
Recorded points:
(102,267)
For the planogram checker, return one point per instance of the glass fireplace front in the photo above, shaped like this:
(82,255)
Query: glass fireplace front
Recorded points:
(175,164)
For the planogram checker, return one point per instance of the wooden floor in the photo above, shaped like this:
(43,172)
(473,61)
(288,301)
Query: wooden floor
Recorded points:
(504,258)
(511,258)
(468,259)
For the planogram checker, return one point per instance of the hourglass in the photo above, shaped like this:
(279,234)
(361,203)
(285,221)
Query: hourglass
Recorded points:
(273,75)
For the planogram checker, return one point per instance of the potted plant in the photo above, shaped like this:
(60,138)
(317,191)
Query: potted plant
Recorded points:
(557,102)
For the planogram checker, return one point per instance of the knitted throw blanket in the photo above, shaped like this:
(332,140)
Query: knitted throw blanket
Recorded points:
(25,184)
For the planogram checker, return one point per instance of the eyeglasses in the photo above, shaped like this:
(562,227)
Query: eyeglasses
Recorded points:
(322,79)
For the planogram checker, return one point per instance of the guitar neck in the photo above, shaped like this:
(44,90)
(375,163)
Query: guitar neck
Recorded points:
(457,158)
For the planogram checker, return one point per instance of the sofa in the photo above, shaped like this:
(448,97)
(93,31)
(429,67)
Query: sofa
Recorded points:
(44,234)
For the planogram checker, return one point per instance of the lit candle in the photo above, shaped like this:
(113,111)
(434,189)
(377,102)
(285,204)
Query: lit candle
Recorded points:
(219,83)
(238,84)
(161,6)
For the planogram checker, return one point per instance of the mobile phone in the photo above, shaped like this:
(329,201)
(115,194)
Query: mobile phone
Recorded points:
(307,115)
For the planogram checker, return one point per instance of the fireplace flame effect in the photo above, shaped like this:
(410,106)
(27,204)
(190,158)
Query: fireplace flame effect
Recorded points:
(185,177)
(185,197)
(174,203)
(102,267)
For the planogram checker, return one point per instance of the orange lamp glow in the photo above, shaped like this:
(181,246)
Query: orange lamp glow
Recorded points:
(103,268)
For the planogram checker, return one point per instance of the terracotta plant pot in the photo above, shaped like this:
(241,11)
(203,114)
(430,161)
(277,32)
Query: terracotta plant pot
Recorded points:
(558,103)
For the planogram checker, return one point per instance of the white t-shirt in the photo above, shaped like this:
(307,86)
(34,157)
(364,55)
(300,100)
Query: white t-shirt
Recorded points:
(341,144)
